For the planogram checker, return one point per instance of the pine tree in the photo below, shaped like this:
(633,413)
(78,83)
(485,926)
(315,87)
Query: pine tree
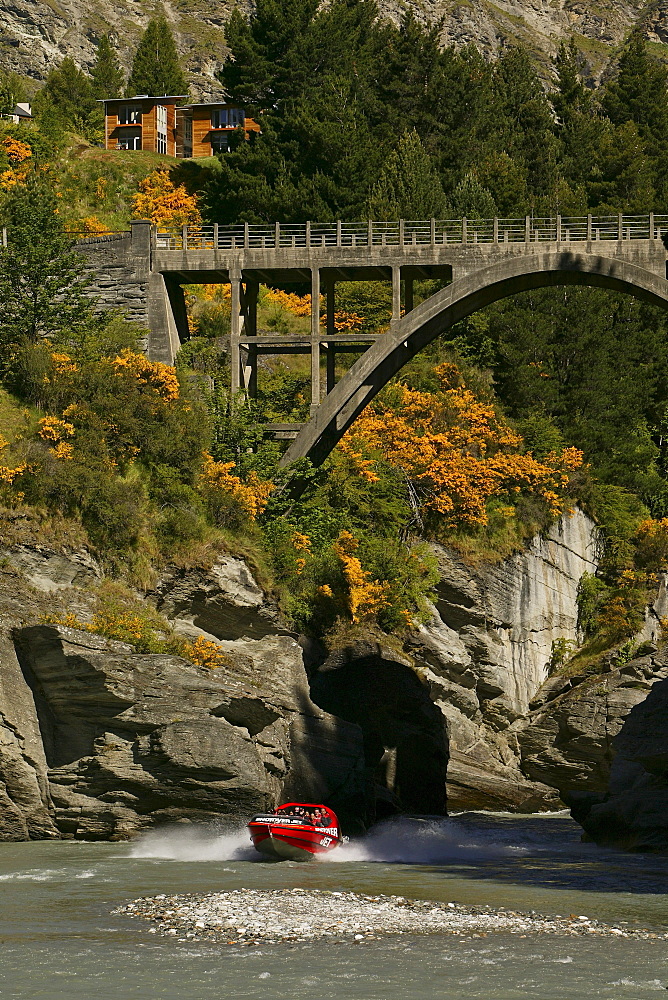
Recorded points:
(266,52)
(472,200)
(638,94)
(70,92)
(409,186)
(525,122)
(571,96)
(42,278)
(156,69)
(11,91)
(106,73)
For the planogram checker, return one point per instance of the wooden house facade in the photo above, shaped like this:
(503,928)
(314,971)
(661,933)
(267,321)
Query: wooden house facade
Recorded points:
(161,125)
(142,122)
(207,129)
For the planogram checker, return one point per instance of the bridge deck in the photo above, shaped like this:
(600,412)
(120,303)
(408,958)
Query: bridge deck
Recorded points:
(142,271)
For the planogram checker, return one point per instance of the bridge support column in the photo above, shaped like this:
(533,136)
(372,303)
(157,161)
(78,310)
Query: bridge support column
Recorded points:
(331,330)
(235,330)
(396,293)
(249,312)
(315,338)
(408,295)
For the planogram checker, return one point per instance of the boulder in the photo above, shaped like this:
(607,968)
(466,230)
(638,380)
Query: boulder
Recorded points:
(223,601)
(569,742)
(631,811)
(132,739)
(50,570)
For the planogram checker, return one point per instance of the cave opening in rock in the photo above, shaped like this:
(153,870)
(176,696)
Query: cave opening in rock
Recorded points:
(405,744)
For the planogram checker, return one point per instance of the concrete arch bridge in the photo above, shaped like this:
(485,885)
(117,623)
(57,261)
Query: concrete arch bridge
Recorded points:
(143,272)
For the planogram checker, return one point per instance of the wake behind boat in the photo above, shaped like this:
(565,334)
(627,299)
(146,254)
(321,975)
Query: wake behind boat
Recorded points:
(296,831)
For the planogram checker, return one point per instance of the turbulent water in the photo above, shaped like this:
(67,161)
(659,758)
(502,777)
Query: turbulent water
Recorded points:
(58,938)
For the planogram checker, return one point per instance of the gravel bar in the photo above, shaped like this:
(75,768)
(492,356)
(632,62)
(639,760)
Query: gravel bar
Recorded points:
(270,916)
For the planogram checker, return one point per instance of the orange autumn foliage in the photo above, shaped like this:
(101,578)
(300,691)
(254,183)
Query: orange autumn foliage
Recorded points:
(456,450)
(365,597)
(216,478)
(154,374)
(165,203)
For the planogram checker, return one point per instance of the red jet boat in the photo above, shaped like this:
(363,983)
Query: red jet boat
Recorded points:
(296,831)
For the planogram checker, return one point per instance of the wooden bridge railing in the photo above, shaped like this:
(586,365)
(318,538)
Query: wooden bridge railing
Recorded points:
(566,229)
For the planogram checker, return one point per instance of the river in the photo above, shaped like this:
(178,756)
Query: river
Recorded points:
(59,939)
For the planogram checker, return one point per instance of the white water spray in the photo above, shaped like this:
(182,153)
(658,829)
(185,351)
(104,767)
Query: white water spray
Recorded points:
(193,843)
(399,840)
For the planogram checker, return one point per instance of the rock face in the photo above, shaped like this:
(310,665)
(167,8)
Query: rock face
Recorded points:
(48,570)
(223,601)
(132,740)
(630,808)
(36,36)
(570,739)
(98,741)
(485,653)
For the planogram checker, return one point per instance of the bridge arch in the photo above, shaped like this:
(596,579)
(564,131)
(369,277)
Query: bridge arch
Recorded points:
(465,295)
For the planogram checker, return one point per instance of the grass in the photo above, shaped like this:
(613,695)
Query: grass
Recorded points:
(501,538)
(15,419)
(33,526)
(101,182)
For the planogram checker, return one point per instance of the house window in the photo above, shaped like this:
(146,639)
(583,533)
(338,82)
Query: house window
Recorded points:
(227,118)
(129,139)
(161,123)
(188,129)
(221,143)
(129,114)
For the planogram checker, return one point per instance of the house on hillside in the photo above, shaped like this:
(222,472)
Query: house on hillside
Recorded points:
(161,125)
(207,129)
(21,113)
(141,122)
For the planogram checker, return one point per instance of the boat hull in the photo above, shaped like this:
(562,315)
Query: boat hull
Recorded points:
(292,843)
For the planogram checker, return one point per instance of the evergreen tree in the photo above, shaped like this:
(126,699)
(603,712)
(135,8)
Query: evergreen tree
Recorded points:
(156,69)
(409,186)
(266,52)
(11,91)
(525,122)
(106,73)
(571,96)
(471,200)
(67,100)
(42,279)
(639,92)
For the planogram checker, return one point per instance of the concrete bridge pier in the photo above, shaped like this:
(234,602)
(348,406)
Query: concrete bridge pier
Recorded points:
(243,323)
(315,339)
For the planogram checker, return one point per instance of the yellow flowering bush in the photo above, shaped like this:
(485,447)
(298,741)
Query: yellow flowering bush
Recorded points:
(125,620)
(154,374)
(229,497)
(456,450)
(365,597)
(165,203)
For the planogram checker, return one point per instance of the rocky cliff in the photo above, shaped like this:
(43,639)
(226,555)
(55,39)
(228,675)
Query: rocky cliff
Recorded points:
(36,36)
(98,741)
(634,811)
(479,659)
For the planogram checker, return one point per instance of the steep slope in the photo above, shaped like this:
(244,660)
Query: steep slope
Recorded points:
(34,35)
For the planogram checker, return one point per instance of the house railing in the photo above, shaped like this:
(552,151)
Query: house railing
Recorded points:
(433,232)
